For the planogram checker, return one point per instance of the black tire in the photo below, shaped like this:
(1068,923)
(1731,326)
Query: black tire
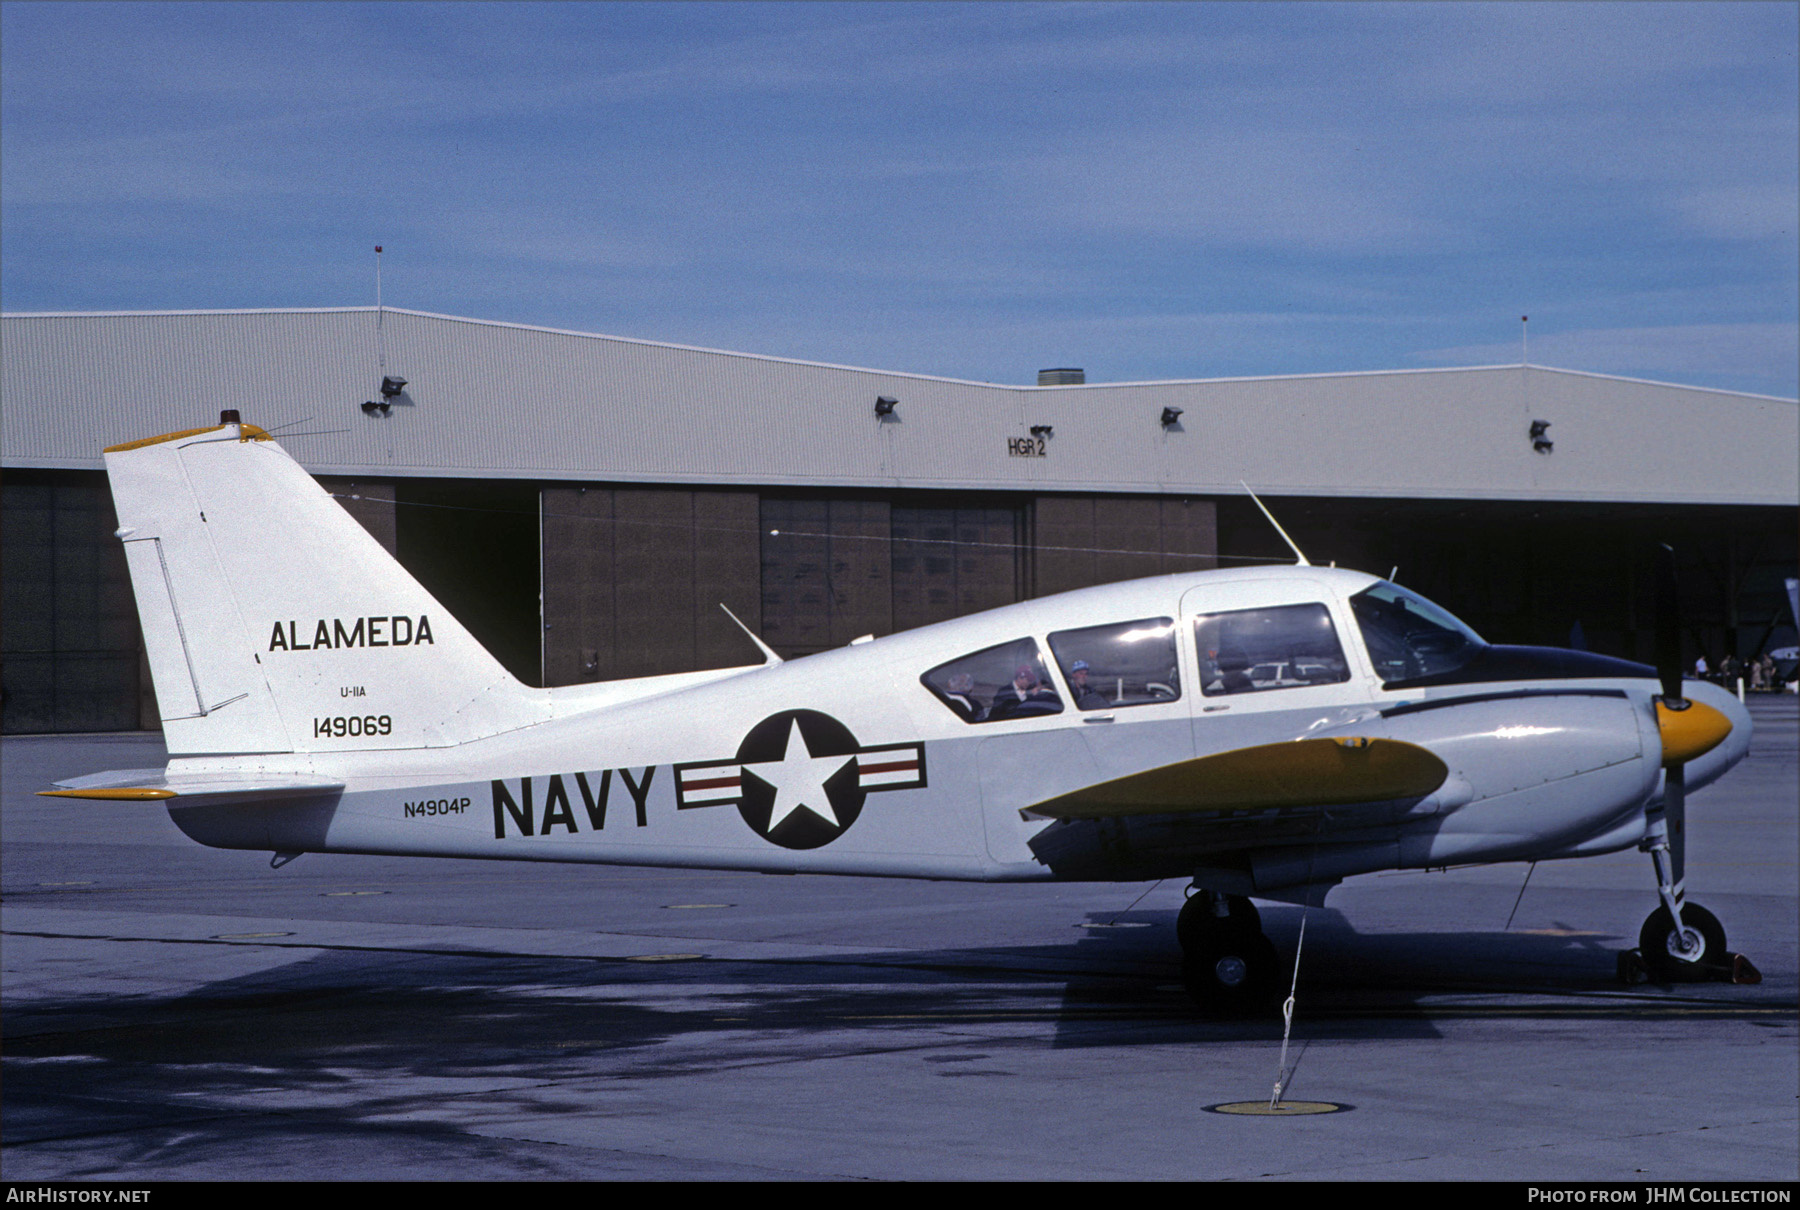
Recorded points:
(1658,946)
(1197,924)
(1233,975)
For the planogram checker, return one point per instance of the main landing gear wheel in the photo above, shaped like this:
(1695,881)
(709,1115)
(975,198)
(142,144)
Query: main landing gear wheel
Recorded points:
(1228,967)
(1233,976)
(1668,959)
(1205,912)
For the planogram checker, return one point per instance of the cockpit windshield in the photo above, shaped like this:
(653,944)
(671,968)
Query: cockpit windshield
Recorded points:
(1409,637)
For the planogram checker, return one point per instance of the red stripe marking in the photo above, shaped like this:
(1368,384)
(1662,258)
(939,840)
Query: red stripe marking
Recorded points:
(690,786)
(890,768)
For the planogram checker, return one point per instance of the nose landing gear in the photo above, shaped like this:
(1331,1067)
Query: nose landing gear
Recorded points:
(1680,942)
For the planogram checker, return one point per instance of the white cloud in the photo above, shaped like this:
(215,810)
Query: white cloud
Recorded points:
(1207,182)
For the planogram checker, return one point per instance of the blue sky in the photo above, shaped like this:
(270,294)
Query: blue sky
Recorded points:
(972,190)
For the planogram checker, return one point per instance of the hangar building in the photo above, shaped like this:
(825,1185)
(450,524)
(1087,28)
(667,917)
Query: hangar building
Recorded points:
(586,503)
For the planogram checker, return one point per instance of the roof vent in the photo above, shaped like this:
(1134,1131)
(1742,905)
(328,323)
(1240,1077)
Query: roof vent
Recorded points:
(1064,377)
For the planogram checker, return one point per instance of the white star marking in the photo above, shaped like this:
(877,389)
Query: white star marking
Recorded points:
(799,780)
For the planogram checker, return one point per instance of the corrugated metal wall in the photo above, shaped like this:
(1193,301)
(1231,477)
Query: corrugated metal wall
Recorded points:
(493,400)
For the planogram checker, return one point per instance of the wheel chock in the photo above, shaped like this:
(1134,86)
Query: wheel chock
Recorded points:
(1733,968)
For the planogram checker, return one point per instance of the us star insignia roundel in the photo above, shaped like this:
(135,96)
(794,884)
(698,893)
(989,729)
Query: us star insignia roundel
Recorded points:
(800,778)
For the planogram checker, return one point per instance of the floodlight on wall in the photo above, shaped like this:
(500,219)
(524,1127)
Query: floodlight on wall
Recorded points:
(1171,417)
(391,386)
(1540,442)
(1043,430)
(884,405)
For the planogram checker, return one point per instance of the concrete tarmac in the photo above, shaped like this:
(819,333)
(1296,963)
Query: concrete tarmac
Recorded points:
(173,1012)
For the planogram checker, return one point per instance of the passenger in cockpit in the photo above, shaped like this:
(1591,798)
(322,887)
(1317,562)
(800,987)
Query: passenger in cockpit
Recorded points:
(1234,670)
(960,690)
(1086,696)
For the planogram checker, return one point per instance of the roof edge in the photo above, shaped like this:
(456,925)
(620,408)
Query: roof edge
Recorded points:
(905,374)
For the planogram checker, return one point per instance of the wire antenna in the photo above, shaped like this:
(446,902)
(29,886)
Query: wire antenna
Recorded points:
(841,537)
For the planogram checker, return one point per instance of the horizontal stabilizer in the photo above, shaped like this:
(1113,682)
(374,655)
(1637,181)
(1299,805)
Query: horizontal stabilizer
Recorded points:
(1301,773)
(154,785)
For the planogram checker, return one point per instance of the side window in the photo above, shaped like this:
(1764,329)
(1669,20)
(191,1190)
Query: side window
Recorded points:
(1125,664)
(1282,647)
(1004,682)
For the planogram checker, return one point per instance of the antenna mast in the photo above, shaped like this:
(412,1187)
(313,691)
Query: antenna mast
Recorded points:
(1298,553)
(380,338)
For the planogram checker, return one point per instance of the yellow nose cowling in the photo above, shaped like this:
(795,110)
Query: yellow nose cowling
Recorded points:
(1692,732)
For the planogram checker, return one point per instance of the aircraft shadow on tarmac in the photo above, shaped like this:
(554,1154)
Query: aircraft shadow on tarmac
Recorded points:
(408,1014)
(346,1052)
(1394,985)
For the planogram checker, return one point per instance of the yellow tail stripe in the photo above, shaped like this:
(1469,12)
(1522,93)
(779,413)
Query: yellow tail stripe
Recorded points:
(250,432)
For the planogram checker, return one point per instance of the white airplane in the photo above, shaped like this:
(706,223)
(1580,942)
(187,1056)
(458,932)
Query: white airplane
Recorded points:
(1265,733)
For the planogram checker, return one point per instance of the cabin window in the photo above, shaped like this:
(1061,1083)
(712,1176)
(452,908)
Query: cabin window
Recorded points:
(1005,682)
(1407,636)
(1281,647)
(1124,664)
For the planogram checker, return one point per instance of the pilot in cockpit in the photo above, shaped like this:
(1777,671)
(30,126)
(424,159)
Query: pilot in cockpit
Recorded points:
(1024,696)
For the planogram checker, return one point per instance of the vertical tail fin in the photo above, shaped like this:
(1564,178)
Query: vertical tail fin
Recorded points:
(275,623)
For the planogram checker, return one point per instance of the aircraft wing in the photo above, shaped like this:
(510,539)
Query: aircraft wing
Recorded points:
(1298,773)
(155,785)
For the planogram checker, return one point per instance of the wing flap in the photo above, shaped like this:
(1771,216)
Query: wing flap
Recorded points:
(1299,773)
